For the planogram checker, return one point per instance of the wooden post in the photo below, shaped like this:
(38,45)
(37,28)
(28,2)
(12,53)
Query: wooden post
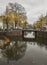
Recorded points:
(35,34)
(22,34)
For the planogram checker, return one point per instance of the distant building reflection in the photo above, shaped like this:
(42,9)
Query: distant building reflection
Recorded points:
(42,42)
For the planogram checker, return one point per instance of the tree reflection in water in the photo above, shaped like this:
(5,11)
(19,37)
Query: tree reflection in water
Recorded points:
(15,50)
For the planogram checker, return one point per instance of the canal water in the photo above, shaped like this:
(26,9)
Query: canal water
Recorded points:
(24,52)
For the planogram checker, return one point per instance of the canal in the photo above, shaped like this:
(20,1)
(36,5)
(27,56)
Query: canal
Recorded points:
(24,52)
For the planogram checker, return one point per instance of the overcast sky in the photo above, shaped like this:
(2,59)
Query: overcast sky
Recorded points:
(34,8)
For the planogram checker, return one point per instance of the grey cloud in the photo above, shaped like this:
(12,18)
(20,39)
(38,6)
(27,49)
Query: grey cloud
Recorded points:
(34,8)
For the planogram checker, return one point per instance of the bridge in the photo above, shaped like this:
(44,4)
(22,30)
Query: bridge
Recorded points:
(29,30)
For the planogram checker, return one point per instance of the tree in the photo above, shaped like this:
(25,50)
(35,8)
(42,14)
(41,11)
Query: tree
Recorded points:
(18,11)
(40,22)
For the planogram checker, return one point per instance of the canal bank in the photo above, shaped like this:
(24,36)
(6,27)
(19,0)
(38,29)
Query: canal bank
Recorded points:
(41,34)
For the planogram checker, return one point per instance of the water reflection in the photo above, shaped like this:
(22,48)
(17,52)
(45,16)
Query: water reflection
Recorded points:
(42,42)
(24,52)
(15,50)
